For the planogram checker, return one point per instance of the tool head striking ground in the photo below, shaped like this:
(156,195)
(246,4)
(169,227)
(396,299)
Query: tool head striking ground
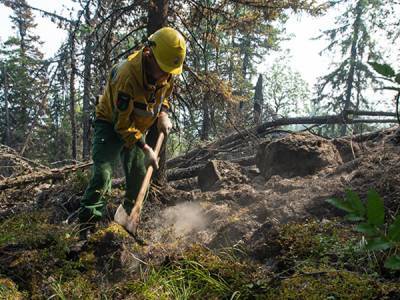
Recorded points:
(129,222)
(121,217)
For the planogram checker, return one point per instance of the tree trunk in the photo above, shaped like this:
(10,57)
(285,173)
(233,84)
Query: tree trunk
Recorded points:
(72,95)
(157,18)
(7,121)
(157,15)
(230,108)
(86,100)
(353,57)
(206,122)
(258,101)
(245,66)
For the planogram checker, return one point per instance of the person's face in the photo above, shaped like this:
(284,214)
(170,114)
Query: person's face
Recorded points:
(153,69)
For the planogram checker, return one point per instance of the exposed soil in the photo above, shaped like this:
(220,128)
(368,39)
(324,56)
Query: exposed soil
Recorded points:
(229,206)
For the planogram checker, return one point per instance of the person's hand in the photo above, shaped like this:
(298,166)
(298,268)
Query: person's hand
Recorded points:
(151,157)
(164,123)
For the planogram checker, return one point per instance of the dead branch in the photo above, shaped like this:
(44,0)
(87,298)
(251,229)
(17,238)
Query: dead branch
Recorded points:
(40,176)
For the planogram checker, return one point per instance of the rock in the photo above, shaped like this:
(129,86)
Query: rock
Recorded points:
(296,155)
(219,174)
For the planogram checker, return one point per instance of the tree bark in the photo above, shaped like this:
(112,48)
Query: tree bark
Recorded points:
(258,100)
(245,48)
(206,122)
(72,95)
(7,117)
(157,18)
(87,74)
(157,15)
(353,57)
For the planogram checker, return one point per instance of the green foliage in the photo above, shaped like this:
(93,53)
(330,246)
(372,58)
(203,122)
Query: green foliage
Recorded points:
(397,78)
(313,242)
(388,72)
(379,235)
(286,92)
(347,83)
(27,229)
(393,262)
(375,209)
(25,72)
(383,69)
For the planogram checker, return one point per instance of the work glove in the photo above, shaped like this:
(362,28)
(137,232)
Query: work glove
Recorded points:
(151,156)
(164,123)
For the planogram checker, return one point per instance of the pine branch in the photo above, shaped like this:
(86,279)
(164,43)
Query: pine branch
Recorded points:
(13,4)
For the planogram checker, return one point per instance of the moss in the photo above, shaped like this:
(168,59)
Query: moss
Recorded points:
(115,230)
(34,249)
(9,291)
(323,260)
(327,283)
(300,240)
(87,259)
(30,229)
(329,242)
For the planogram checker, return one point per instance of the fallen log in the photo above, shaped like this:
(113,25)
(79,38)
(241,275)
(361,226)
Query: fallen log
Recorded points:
(183,173)
(261,130)
(40,176)
(189,172)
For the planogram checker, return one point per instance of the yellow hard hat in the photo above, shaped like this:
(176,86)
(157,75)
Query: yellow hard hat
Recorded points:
(169,49)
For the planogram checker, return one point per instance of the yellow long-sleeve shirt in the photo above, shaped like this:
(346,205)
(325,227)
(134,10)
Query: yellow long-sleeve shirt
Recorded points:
(129,103)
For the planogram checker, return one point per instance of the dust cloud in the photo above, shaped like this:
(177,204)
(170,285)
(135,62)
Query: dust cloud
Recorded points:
(185,218)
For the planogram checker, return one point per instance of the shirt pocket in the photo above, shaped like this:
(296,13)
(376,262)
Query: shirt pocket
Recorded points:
(143,115)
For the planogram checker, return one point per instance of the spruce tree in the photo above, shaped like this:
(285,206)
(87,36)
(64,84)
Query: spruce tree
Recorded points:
(25,72)
(352,44)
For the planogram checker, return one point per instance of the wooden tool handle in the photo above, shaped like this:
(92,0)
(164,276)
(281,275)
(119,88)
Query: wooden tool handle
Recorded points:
(146,181)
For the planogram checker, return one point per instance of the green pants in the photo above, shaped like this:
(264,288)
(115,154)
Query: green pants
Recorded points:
(107,147)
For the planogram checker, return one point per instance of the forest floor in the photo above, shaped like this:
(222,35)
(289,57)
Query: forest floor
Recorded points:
(259,232)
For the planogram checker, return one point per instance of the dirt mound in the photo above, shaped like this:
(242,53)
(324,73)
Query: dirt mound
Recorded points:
(296,155)
(347,148)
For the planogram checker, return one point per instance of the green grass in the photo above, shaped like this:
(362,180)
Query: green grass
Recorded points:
(197,274)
